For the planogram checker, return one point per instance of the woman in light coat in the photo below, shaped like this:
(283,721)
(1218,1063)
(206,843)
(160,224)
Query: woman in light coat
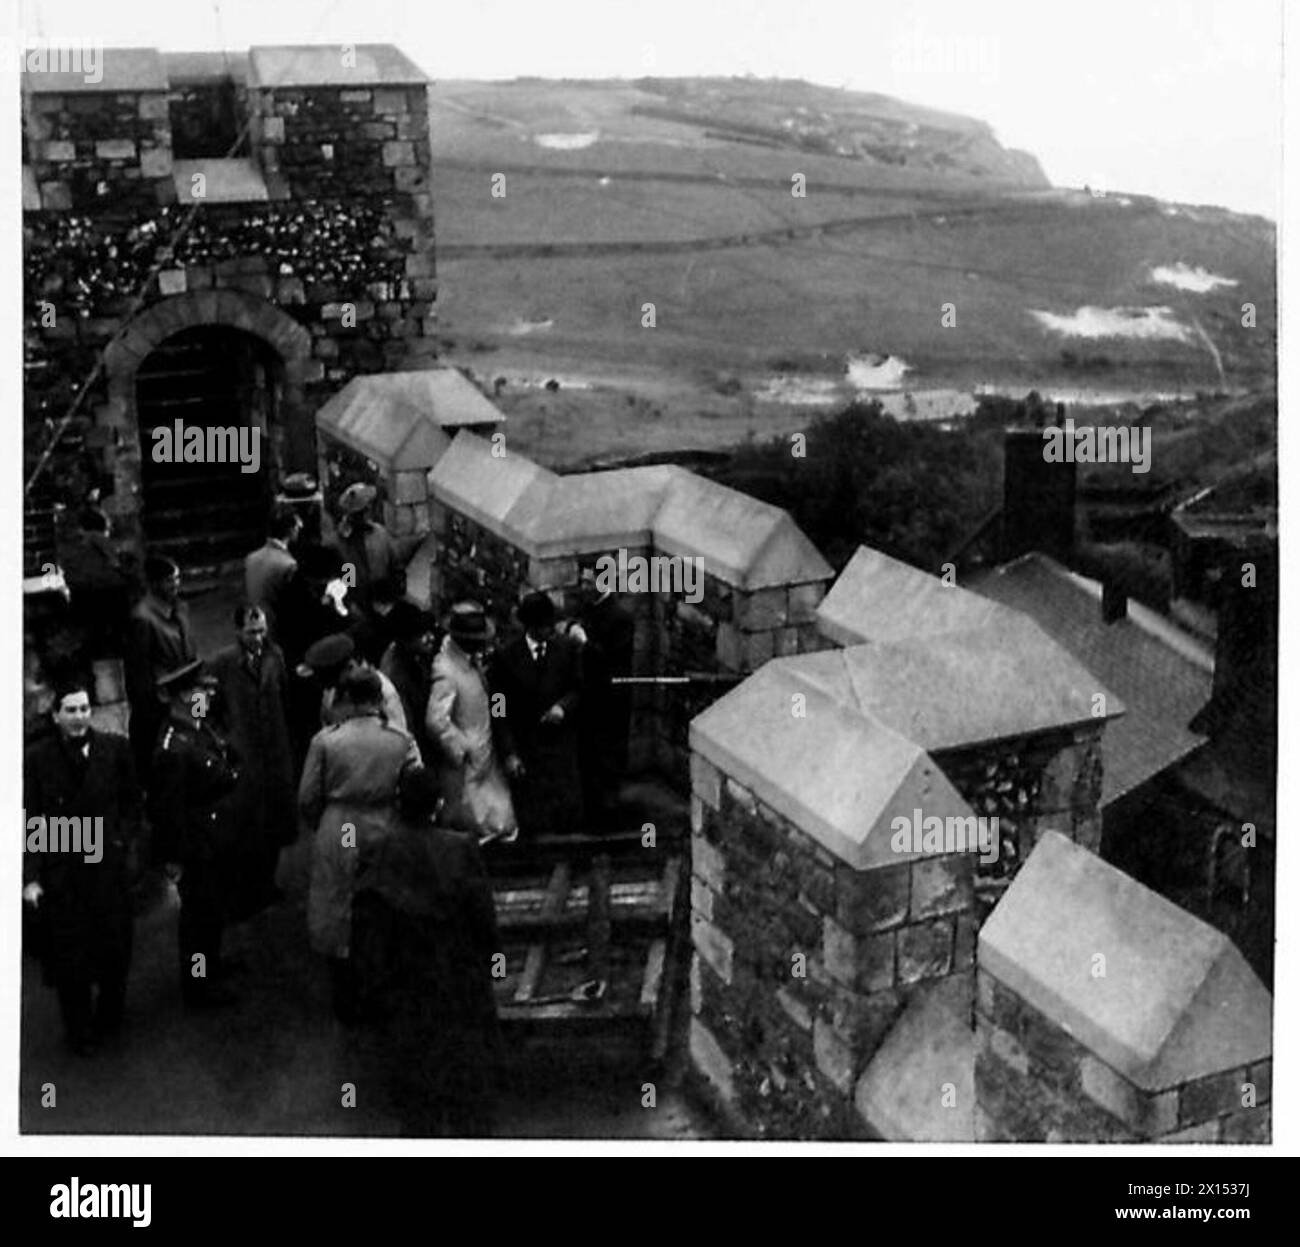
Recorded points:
(459,721)
(348,794)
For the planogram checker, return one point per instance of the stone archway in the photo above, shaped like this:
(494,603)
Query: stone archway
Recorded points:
(119,416)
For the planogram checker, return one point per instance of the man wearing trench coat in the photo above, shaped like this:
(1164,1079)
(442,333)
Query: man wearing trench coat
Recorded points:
(252,704)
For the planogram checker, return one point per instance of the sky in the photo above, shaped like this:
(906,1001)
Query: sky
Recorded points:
(1175,98)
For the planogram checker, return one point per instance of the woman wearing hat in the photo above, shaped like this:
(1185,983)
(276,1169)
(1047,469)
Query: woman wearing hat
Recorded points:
(459,721)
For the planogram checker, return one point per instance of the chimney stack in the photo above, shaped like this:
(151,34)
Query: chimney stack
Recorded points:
(1037,498)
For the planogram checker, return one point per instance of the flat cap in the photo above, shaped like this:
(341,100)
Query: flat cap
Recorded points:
(330,651)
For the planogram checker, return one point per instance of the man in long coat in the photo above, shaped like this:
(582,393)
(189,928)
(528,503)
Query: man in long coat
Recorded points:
(347,794)
(424,934)
(252,705)
(158,642)
(195,829)
(84,905)
(458,723)
(540,677)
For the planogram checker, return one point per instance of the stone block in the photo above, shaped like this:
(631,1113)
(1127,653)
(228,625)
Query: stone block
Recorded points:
(398,152)
(729,648)
(172,281)
(389,100)
(354,96)
(697,815)
(802,602)
(794,1008)
(1005,1046)
(273,129)
(153,107)
(709,1059)
(862,962)
(1055,1053)
(1212,1097)
(739,795)
(786,641)
(1205,1132)
(759,610)
(867,901)
(1251,1125)
(963,956)
(714,946)
(56,196)
(942,885)
(60,150)
(155,162)
(759,647)
(925,950)
(115,149)
(701,899)
(706,781)
(833,1056)
(1119,1097)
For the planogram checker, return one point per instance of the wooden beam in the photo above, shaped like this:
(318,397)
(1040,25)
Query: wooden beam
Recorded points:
(654,974)
(557,892)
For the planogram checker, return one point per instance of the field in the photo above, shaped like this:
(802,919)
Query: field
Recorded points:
(760,297)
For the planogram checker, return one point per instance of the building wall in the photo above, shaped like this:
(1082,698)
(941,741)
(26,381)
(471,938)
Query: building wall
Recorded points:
(1034,1082)
(801,962)
(349,221)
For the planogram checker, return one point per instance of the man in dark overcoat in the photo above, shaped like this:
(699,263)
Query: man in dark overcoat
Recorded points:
(424,934)
(540,676)
(252,708)
(82,892)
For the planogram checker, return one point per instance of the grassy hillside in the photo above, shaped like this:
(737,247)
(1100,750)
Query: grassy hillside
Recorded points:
(679,194)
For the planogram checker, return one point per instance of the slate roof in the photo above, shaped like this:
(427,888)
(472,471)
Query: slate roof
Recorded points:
(317,65)
(1177,1002)
(878,598)
(743,542)
(1163,675)
(121,69)
(403,419)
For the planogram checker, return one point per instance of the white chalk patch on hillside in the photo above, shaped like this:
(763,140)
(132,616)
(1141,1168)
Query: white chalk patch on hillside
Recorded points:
(800,391)
(876,372)
(567,142)
(1198,280)
(518,327)
(1115,322)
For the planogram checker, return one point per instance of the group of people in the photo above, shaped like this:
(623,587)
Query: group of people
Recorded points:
(397,743)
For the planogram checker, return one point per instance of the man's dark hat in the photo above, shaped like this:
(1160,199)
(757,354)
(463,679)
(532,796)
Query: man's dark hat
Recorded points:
(468,622)
(536,610)
(329,652)
(185,676)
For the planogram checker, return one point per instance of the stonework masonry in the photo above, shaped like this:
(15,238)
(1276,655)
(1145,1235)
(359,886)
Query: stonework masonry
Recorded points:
(327,224)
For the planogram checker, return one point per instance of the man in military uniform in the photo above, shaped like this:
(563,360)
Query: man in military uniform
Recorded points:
(193,812)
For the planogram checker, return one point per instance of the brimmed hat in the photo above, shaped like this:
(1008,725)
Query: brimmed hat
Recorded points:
(356,498)
(469,622)
(329,652)
(536,609)
(187,675)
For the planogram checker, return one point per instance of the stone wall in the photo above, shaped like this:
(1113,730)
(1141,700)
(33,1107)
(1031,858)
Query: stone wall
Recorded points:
(802,963)
(1047,781)
(330,224)
(1035,1082)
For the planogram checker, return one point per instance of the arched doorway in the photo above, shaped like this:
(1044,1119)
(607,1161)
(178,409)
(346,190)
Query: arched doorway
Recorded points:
(199,503)
(285,352)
